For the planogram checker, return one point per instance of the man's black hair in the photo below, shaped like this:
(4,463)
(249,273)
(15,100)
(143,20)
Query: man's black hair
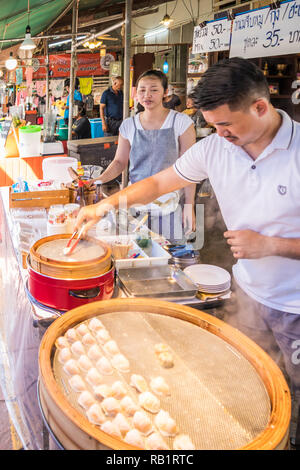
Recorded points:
(155,73)
(81,110)
(236,82)
(67,83)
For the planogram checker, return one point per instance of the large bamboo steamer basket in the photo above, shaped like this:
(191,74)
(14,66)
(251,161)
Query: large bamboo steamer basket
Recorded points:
(70,270)
(74,431)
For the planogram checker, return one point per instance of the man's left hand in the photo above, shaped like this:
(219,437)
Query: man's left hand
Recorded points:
(248,244)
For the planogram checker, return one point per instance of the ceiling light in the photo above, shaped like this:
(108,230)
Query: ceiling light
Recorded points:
(92,44)
(166,21)
(155,32)
(11,62)
(28,44)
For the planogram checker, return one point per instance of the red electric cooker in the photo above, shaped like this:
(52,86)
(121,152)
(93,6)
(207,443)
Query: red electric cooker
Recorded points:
(64,281)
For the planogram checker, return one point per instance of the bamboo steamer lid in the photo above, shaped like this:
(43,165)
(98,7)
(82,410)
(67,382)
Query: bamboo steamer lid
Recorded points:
(90,258)
(224,378)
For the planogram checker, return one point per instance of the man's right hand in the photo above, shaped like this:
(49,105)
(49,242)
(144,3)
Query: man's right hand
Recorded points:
(104,127)
(90,215)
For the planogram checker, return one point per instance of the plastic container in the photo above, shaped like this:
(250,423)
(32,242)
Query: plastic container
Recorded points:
(63,132)
(71,212)
(30,141)
(96,128)
(57,221)
(56,168)
(153,255)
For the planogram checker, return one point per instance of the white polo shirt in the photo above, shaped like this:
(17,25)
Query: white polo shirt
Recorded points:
(261,195)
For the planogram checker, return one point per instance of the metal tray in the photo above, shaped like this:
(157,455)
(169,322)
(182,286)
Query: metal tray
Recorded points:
(164,282)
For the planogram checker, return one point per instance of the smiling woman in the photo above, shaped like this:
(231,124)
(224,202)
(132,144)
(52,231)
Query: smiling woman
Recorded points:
(152,141)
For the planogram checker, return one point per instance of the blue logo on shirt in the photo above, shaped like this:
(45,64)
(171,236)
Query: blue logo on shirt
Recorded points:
(282,189)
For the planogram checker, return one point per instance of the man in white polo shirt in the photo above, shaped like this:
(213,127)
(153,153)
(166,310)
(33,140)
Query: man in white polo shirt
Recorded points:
(253,164)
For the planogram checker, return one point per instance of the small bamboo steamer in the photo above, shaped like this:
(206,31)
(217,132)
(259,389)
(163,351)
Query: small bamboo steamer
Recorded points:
(71,270)
(73,430)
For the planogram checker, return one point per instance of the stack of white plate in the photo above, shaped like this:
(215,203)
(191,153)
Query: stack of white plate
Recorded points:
(209,278)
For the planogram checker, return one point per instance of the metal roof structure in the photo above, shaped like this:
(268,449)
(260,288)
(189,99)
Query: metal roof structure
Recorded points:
(50,18)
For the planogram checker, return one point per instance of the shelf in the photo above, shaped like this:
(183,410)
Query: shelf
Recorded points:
(280,96)
(279,76)
(195,74)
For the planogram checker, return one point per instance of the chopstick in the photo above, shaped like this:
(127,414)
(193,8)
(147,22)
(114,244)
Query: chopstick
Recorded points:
(69,249)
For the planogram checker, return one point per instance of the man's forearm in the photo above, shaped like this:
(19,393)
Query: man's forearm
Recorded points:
(286,247)
(144,191)
(189,193)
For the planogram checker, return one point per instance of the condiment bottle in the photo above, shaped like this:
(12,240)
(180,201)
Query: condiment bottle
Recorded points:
(80,194)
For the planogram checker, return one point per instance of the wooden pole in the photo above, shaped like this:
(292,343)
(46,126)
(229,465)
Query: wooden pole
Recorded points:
(47,75)
(126,91)
(73,67)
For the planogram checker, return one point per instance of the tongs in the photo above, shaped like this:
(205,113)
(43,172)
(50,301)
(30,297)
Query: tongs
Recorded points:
(141,222)
(69,249)
(181,250)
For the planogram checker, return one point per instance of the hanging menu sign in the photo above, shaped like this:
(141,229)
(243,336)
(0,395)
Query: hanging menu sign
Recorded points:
(266,31)
(214,36)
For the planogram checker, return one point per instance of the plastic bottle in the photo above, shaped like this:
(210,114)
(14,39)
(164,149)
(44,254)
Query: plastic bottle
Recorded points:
(80,170)
(80,194)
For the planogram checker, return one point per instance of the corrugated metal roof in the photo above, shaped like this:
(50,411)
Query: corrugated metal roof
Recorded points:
(42,13)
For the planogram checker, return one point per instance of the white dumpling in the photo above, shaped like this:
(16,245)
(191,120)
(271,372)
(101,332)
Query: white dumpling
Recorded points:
(88,339)
(156,442)
(93,377)
(95,415)
(84,363)
(86,399)
(104,366)
(165,424)
(128,406)
(82,329)
(103,336)
(139,383)
(120,363)
(110,406)
(166,359)
(110,428)
(71,335)
(160,386)
(161,348)
(134,438)
(71,367)
(149,402)
(111,348)
(64,355)
(103,391)
(62,342)
(77,384)
(122,423)
(183,442)
(95,324)
(142,422)
(77,348)
(119,390)
(94,352)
